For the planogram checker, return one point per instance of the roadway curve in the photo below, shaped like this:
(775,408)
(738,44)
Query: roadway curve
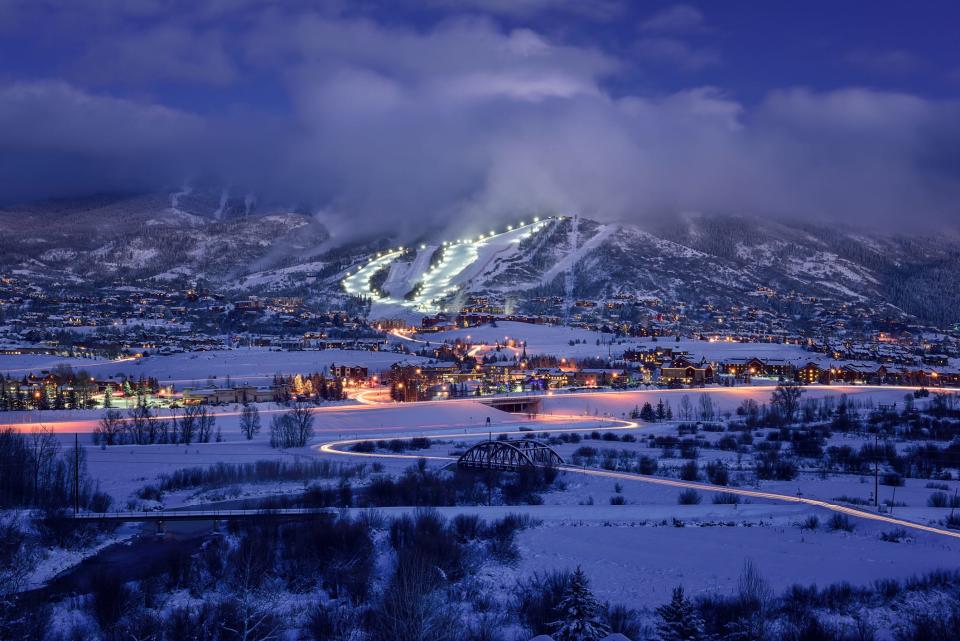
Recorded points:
(336,448)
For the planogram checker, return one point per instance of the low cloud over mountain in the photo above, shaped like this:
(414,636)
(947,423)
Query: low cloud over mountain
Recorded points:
(413,120)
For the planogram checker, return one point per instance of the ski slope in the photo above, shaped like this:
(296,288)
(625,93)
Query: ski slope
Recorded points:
(429,285)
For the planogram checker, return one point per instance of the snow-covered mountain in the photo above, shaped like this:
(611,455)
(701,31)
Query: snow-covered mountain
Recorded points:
(695,260)
(234,242)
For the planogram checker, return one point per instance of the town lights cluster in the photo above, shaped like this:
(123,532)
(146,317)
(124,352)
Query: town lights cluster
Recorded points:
(437,282)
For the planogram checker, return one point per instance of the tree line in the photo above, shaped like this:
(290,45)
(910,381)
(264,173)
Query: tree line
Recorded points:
(142,426)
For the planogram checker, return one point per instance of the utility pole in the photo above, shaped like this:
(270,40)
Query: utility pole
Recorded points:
(876,469)
(76,473)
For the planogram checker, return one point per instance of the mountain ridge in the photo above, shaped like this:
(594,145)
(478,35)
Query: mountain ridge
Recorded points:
(688,260)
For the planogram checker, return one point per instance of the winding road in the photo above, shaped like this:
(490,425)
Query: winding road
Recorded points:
(338,448)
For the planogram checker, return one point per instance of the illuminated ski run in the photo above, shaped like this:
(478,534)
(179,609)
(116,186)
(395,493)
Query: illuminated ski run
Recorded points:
(461,260)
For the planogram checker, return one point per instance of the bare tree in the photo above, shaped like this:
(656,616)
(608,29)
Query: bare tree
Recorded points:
(109,429)
(785,400)
(43,446)
(706,408)
(249,421)
(188,424)
(281,431)
(249,614)
(205,424)
(302,419)
(138,424)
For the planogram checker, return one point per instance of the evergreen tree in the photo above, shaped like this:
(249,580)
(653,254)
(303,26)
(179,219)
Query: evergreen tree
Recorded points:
(680,620)
(646,414)
(580,612)
(107,398)
(661,410)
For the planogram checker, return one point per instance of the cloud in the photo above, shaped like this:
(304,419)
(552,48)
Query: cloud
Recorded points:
(159,54)
(466,122)
(893,62)
(593,9)
(60,140)
(679,18)
(677,53)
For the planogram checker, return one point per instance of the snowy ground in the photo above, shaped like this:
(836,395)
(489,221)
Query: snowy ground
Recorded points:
(633,553)
(191,369)
(639,564)
(555,340)
(18,365)
(725,399)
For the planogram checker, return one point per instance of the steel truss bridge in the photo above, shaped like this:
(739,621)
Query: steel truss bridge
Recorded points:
(509,456)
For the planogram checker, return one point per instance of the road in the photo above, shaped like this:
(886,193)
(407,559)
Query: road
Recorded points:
(337,448)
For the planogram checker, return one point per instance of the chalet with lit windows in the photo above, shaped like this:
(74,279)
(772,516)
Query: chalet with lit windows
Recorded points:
(811,373)
(744,367)
(686,373)
(598,377)
(349,372)
(229,395)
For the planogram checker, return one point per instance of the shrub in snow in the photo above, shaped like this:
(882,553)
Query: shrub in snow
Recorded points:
(840,522)
(893,536)
(537,599)
(689,497)
(717,473)
(689,471)
(624,623)
(726,498)
(893,479)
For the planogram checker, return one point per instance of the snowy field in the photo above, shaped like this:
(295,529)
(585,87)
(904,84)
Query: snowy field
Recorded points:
(630,563)
(254,365)
(636,555)
(555,340)
(633,553)
(122,468)
(18,365)
(725,399)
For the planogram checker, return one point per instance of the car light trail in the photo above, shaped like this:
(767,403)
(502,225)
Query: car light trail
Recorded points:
(333,447)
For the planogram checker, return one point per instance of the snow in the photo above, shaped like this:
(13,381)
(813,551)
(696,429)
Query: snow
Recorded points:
(640,564)
(57,560)
(277,276)
(634,553)
(21,364)
(463,259)
(567,263)
(255,365)
(555,340)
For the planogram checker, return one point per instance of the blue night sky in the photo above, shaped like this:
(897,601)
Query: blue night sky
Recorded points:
(439,108)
